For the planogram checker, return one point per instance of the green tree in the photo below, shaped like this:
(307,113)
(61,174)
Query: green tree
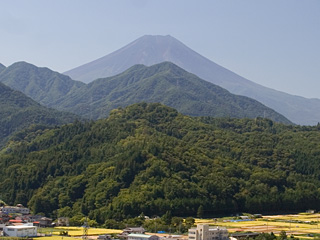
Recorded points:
(200,212)
(189,222)
(283,235)
(167,218)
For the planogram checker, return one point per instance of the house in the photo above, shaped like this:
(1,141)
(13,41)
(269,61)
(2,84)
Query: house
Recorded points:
(20,231)
(127,231)
(204,232)
(310,211)
(33,218)
(135,230)
(15,209)
(4,218)
(104,237)
(137,236)
(15,222)
(242,235)
(45,222)
(63,221)
(174,237)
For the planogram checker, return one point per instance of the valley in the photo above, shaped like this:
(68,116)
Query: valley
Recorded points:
(159,120)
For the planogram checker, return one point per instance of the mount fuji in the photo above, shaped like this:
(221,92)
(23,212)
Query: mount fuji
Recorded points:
(150,50)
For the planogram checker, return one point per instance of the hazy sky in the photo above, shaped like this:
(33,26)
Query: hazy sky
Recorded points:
(275,43)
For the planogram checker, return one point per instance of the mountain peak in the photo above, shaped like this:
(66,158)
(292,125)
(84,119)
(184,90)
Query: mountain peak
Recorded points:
(152,49)
(41,84)
(22,64)
(147,50)
(157,38)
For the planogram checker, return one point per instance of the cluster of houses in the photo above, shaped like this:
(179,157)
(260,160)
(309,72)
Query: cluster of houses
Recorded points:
(16,221)
(200,232)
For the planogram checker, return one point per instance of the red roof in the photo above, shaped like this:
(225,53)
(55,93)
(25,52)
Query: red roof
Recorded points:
(15,221)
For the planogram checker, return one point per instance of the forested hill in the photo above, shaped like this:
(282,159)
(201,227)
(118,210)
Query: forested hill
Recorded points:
(41,84)
(166,83)
(18,112)
(149,158)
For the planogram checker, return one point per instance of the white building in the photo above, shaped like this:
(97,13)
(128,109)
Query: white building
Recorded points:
(13,209)
(20,231)
(136,236)
(204,232)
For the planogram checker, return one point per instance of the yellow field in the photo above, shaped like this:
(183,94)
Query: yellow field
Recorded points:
(308,224)
(298,224)
(78,231)
(57,238)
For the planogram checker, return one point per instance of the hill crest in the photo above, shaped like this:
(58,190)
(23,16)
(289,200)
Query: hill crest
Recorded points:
(41,84)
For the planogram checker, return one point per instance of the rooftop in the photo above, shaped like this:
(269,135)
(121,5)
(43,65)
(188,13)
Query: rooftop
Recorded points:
(20,227)
(139,235)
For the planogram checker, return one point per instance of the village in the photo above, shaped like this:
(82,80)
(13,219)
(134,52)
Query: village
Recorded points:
(18,222)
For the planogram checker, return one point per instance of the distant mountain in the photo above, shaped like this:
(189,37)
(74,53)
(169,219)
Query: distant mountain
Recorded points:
(166,83)
(149,50)
(41,84)
(18,112)
(2,67)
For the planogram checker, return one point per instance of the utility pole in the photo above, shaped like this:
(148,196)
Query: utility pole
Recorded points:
(85,229)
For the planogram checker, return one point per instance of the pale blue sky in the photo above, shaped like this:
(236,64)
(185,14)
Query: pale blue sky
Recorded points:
(275,43)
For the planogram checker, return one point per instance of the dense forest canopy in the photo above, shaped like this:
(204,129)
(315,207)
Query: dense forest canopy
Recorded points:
(148,158)
(17,112)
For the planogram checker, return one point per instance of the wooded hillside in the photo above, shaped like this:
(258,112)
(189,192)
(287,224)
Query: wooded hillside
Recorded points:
(149,158)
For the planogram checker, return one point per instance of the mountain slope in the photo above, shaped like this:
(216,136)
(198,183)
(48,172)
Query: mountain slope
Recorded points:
(149,50)
(41,84)
(18,112)
(149,158)
(2,67)
(166,83)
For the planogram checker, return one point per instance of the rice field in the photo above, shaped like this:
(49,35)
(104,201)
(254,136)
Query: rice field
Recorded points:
(299,225)
(78,231)
(56,238)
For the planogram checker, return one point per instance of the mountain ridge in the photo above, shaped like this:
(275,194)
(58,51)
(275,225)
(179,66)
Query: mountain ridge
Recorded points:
(169,84)
(150,50)
(41,84)
(164,82)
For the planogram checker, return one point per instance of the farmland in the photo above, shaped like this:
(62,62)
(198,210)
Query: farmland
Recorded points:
(298,225)
(303,226)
